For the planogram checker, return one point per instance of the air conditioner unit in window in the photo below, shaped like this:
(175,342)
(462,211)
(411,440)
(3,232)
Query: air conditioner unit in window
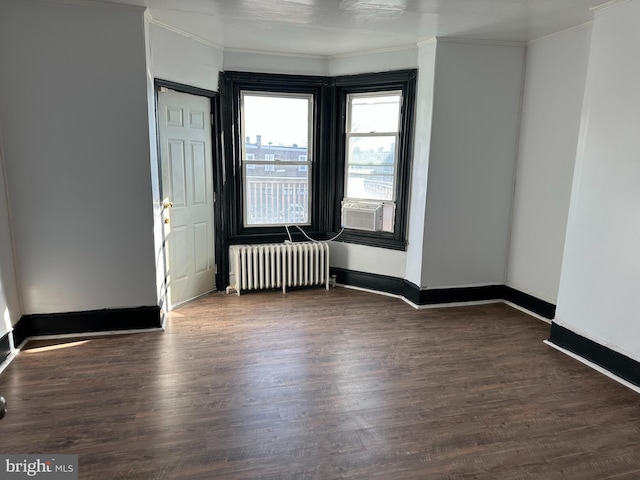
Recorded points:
(362,216)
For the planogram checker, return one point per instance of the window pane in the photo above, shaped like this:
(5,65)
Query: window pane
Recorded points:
(275,127)
(371,167)
(374,113)
(276,194)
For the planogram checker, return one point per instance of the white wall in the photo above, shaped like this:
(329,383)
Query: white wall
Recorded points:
(554,89)
(73,110)
(158,224)
(248,61)
(600,279)
(181,59)
(384,60)
(361,258)
(10,311)
(420,166)
(476,114)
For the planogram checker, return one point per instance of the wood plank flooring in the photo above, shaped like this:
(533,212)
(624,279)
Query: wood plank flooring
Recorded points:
(323,385)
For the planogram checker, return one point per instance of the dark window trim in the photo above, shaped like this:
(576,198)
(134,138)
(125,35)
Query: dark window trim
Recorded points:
(405,81)
(272,163)
(230,85)
(329,133)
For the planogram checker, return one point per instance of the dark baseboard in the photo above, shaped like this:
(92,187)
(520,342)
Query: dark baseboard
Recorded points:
(417,296)
(617,363)
(370,281)
(529,302)
(463,294)
(5,347)
(86,322)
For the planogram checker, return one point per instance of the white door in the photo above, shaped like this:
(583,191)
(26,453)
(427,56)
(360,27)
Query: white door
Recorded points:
(187,190)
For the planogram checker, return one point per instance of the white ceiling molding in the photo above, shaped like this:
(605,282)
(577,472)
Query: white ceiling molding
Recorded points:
(372,52)
(610,4)
(566,30)
(173,29)
(249,51)
(427,41)
(479,41)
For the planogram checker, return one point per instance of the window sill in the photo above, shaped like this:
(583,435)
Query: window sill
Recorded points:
(371,239)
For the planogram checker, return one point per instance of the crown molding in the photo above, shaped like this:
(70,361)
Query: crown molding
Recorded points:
(427,41)
(272,53)
(481,41)
(320,57)
(609,4)
(182,33)
(372,52)
(566,30)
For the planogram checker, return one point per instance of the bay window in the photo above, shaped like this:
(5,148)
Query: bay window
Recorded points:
(298,148)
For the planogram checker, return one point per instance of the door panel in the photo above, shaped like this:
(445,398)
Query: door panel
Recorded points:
(177,186)
(187,189)
(199,173)
(197,119)
(201,239)
(179,246)
(175,115)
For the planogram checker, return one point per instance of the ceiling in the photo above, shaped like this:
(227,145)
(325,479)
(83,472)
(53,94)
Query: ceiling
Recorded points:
(334,27)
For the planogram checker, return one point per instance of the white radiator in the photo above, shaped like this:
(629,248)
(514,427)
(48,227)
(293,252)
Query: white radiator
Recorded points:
(282,265)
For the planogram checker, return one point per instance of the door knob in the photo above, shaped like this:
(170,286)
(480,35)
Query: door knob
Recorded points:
(166,220)
(167,204)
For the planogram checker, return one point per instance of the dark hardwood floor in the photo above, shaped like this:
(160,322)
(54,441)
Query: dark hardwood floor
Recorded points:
(323,385)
